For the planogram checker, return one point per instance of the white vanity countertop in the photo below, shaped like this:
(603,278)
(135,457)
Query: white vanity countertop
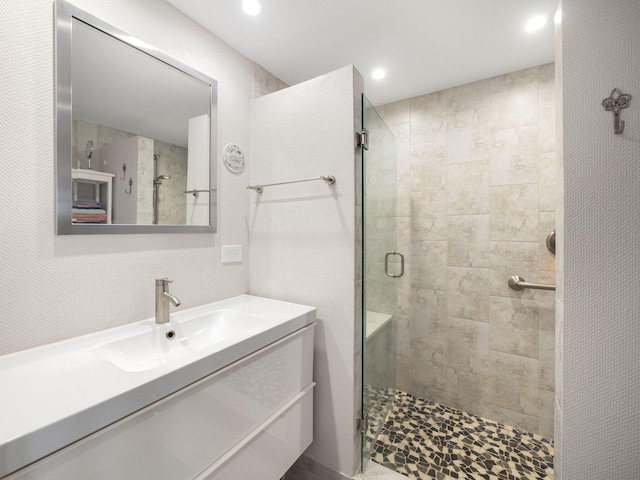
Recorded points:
(56,394)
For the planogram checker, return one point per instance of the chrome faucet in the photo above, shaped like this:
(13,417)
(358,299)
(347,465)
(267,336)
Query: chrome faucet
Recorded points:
(163,297)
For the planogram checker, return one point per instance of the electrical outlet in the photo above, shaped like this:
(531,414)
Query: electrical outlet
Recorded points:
(231,253)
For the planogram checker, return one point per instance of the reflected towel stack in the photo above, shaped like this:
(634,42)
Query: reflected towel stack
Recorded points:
(88,211)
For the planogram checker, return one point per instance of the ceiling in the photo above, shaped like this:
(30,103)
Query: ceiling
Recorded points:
(424,45)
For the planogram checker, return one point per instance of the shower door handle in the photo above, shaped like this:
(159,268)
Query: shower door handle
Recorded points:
(386,265)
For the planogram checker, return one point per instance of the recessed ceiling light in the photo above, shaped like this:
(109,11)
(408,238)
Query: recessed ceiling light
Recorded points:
(378,73)
(251,7)
(535,23)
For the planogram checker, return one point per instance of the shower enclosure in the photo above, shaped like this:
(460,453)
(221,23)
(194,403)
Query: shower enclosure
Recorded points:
(470,200)
(382,266)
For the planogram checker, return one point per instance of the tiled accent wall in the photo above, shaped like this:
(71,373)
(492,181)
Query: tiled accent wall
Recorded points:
(477,197)
(172,201)
(145,181)
(265,82)
(380,215)
(379,365)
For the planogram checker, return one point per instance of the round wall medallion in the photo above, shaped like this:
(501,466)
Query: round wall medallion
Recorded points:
(233,157)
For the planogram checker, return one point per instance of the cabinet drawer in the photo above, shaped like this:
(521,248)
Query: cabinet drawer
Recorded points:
(181,435)
(271,449)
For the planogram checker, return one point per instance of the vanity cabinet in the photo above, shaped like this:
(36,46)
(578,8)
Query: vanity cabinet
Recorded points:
(251,419)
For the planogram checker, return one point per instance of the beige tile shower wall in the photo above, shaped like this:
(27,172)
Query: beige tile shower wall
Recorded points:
(172,201)
(56,287)
(264,82)
(477,196)
(145,181)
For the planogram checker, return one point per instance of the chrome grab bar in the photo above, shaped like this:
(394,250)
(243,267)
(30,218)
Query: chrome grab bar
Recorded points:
(519,283)
(330,179)
(386,265)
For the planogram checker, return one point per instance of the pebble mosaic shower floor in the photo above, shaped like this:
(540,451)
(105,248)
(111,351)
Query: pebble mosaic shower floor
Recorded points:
(425,440)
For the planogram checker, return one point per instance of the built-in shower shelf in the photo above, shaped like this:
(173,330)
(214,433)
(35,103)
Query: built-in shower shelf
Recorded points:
(376,321)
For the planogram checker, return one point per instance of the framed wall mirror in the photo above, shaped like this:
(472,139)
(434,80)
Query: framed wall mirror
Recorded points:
(135,134)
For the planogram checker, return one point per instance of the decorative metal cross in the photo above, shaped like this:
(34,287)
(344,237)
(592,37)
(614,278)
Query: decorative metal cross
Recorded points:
(614,103)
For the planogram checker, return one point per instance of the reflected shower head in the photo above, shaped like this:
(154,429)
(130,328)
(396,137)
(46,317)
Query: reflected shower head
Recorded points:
(159,178)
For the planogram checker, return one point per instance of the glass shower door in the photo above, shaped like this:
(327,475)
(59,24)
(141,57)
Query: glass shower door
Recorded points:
(381,268)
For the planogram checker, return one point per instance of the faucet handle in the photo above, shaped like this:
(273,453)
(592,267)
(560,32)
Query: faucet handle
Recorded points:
(163,281)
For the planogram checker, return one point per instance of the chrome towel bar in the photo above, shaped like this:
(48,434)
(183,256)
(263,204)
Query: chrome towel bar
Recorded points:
(330,179)
(519,283)
(196,192)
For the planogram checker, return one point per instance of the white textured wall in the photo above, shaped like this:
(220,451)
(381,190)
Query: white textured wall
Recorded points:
(302,237)
(59,287)
(599,412)
(198,171)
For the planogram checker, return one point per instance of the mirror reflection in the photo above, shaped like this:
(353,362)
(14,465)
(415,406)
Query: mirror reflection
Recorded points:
(140,137)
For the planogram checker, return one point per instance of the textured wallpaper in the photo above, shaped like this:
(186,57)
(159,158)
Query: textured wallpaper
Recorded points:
(302,237)
(600,416)
(56,287)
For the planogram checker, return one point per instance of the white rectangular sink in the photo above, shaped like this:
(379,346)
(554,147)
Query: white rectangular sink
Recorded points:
(184,336)
(61,392)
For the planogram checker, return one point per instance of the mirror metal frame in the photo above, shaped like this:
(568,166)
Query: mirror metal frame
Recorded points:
(64,14)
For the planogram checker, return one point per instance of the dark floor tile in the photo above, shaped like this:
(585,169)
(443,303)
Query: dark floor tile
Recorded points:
(426,440)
